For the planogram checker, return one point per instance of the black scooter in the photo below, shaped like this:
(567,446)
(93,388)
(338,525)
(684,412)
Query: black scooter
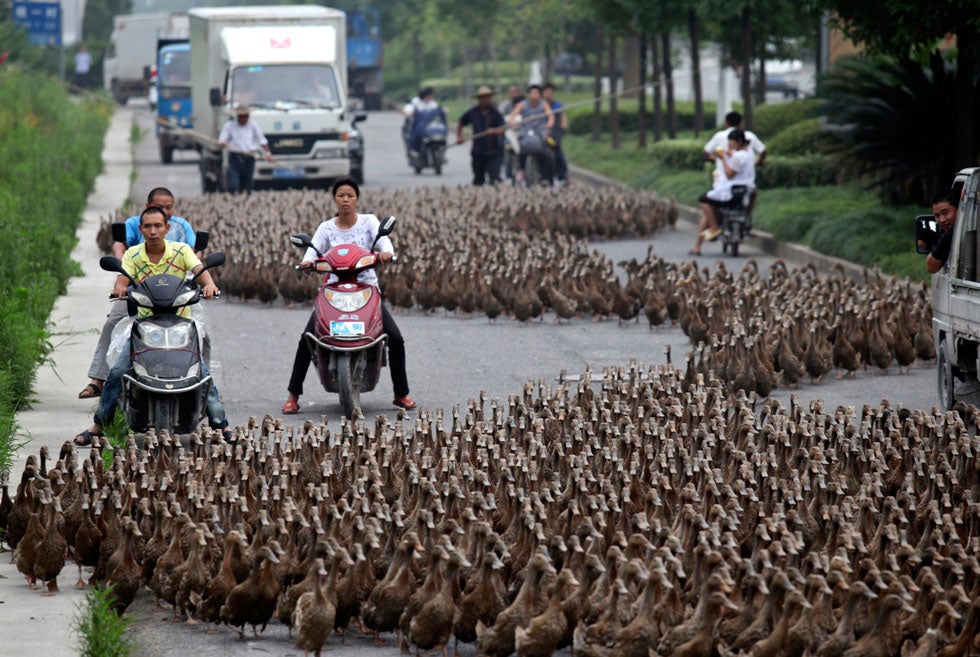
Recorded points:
(166,388)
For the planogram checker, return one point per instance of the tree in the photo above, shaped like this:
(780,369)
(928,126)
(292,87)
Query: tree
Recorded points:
(903,28)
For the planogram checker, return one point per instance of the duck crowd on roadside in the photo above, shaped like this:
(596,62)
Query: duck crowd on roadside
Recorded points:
(640,510)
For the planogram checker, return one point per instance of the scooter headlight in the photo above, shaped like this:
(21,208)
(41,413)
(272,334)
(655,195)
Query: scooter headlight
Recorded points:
(166,337)
(141,299)
(184,298)
(366,261)
(348,302)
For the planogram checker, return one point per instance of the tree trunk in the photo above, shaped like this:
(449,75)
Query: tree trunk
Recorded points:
(416,60)
(495,60)
(549,61)
(613,98)
(747,66)
(760,87)
(693,32)
(658,94)
(967,142)
(669,86)
(597,87)
(641,118)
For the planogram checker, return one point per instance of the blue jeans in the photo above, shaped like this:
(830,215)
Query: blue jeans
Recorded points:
(112,390)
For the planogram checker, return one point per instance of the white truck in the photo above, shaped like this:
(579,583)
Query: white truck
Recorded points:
(956,291)
(289,65)
(132,51)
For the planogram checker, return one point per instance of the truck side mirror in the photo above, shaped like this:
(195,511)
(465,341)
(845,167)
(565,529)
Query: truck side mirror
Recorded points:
(926,233)
(119,231)
(201,239)
(215,97)
(358,117)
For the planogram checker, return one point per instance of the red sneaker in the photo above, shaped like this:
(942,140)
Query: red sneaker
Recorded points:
(405,402)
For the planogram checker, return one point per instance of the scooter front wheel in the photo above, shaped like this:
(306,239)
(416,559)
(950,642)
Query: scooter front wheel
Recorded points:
(162,413)
(347,384)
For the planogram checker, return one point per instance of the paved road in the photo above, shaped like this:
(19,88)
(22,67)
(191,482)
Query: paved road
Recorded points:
(450,358)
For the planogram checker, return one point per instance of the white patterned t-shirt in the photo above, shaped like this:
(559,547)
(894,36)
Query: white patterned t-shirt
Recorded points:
(362,233)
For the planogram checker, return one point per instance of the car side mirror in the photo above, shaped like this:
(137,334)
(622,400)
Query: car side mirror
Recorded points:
(201,239)
(215,97)
(119,231)
(926,233)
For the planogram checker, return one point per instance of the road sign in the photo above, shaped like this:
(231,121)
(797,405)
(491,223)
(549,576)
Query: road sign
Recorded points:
(42,20)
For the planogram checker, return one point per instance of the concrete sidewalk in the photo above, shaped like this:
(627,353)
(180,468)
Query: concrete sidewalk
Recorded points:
(36,624)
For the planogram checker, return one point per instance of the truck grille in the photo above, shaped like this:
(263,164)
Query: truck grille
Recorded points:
(297,143)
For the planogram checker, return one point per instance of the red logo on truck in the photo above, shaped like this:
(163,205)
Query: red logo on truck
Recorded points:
(279,44)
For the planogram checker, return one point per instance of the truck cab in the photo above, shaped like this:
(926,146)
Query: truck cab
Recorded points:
(173,106)
(956,291)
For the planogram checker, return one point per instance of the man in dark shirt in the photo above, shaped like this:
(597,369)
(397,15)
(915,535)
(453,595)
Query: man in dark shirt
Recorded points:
(944,209)
(487,152)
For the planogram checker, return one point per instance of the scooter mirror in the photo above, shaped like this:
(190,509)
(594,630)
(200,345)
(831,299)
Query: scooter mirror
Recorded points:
(201,239)
(215,259)
(301,239)
(387,226)
(119,231)
(111,263)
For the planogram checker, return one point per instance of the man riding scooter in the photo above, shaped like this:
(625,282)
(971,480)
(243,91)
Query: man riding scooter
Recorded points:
(154,256)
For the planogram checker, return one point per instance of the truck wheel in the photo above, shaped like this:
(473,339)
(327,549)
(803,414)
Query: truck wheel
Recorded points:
(944,370)
(734,246)
(166,154)
(348,384)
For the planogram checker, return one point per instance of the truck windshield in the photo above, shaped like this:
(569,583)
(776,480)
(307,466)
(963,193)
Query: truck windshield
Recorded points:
(277,85)
(175,69)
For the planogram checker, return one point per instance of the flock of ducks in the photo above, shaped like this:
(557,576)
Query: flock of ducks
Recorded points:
(638,511)
(505,252)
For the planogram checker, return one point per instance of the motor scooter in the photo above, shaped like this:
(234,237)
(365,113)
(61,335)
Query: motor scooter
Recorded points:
(429,131)
(167,387)
(348,341)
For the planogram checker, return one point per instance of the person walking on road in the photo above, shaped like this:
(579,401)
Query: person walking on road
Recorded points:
(558,130)
(487,152)
(245,138)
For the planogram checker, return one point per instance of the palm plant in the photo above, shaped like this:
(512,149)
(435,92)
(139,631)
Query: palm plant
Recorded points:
(894,123)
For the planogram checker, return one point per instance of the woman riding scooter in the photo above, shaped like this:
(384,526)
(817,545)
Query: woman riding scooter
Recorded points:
(349,227)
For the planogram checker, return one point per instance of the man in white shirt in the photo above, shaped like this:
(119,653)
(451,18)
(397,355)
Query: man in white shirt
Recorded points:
(83,66)
(243,137)
(738,168)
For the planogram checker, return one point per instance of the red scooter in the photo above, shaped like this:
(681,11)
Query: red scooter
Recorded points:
(348,342)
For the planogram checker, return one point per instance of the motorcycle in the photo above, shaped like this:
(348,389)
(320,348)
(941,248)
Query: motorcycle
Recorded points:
(429,131)
(348,343)
(166,388)
(734,220)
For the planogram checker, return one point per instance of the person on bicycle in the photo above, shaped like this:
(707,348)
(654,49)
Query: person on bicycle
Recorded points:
(738,168)
(534,118)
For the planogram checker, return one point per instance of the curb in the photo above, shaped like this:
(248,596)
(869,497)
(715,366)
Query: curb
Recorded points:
(802,255)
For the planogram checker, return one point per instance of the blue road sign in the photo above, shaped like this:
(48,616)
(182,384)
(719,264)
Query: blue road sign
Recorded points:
(42,20)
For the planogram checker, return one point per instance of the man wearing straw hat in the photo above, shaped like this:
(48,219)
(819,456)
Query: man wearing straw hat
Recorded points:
(487,152)
(245,138)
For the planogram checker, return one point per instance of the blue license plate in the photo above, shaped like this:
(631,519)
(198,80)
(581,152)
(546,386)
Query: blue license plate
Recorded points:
(282,172)
(346,329)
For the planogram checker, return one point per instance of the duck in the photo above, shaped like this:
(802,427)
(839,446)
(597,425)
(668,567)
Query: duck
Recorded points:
(27,546)
(194,579)
(287,603)
(253,601)
(6,502)
(88,538)
(20,512)
(389,598)
(775,644)
(125,579)
(498,639)
(433,624)
(210,602)
(313,615)
(430,587)
(701,627)
(884,638)
(162,582)
(51,551)
(483,603)
(544,633)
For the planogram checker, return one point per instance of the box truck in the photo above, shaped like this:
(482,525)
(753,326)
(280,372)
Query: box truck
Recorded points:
(132,51)
(289,65)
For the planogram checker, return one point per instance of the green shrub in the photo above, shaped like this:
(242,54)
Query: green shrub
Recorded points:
(796,171)
(687,154)
(580,118)
(102,632)
(801,138)
(772,118)
(862,236)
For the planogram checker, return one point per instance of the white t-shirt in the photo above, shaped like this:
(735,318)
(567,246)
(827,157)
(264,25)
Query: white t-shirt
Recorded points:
(720,140)
(248,137)
(83,62)
(362,233)
(743,162)
(419,105)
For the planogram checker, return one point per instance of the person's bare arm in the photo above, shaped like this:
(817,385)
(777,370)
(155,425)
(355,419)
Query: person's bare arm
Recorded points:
(933,264)
(118,249)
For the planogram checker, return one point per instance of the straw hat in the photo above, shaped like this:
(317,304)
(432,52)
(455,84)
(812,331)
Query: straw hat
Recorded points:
(241,109)
(484,90)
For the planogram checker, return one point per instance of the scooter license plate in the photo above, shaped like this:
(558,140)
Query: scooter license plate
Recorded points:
(346,329)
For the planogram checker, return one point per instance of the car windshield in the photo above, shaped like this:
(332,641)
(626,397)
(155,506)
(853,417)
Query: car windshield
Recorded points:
(175,68)
(304,85)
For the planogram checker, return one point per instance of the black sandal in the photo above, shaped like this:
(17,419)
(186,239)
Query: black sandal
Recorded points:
(89,391)
(86,438)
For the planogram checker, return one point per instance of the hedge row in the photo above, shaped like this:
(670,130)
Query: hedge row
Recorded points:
(796,171)
(772,118)
(580,118)
(50,155)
